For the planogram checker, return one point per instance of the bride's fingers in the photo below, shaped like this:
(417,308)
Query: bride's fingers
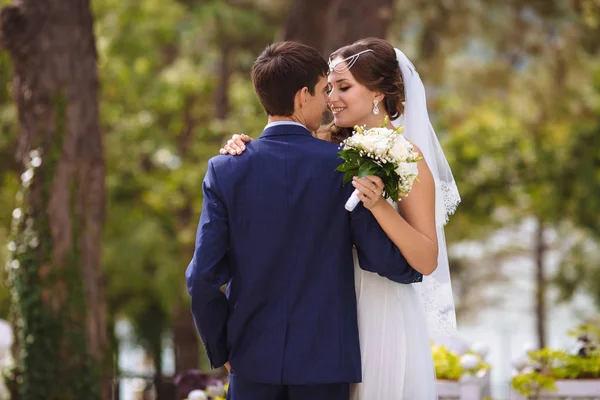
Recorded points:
(366,195)
(363,197)
(376,180)
(366,186)
(245,138)
(367,200)
(236,145)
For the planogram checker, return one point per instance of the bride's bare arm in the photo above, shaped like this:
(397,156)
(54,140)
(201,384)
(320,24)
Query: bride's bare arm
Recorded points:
(412,228)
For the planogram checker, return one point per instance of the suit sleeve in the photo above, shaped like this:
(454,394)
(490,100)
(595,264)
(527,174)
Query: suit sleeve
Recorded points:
(209,270)
(376,252)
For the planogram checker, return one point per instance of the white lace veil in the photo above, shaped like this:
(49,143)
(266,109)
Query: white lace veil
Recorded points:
(436,289)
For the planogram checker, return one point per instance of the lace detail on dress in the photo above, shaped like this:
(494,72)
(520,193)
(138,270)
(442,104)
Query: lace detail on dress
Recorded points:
(438,303)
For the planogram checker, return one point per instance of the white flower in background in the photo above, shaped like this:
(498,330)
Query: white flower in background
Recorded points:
(12,246)
(34,242)
(167,159)
(216,390)
(469,361)
(145,118)
(17,213)
(26,177)
(36,162)
(528,369)
(15,264)
(34,154)
(519,363)
(6,360)
(197,395)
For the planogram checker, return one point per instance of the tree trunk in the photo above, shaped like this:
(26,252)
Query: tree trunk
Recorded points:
(185,341)
(351,20)
(540,275)
(61,304)
(308,21)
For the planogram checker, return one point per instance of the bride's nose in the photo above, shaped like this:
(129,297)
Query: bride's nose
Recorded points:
(333,96)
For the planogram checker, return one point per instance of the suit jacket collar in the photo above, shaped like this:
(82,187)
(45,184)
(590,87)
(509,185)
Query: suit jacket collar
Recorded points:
(285,130)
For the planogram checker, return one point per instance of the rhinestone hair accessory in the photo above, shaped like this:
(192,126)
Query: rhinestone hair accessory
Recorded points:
(350,61)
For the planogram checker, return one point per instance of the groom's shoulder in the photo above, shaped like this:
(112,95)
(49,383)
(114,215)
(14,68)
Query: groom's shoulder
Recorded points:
(327,148)
(221,161)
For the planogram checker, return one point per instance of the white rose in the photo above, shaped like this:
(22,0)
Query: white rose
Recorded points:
(407,169)
(400,148)
(367,142)
(381,148)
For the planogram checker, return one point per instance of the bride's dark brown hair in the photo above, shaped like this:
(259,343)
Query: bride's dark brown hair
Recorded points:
(379,71)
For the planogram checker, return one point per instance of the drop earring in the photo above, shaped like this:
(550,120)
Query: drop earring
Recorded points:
(375,107)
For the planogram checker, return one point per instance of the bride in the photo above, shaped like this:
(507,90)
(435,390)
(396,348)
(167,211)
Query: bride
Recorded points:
(368,81)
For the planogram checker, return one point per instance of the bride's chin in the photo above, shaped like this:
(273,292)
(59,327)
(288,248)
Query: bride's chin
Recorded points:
(340,122)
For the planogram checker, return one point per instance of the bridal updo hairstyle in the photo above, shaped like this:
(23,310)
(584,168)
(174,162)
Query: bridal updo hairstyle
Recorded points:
(379,71)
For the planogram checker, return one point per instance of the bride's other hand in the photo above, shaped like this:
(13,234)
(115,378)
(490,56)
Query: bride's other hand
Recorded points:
(236,145)
(369,189)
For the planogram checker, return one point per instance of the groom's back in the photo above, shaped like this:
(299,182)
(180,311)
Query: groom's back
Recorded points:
(293,318)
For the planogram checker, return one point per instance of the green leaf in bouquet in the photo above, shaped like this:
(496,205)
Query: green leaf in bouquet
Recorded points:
(350,155)
(348,176)
(368,168)
(389,169)
(347,166)
(391,189)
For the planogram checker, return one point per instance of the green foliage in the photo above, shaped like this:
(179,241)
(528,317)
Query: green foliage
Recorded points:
(448,363)
(47,298)
(159,65)
(517,118)
(9,183)
(547,365)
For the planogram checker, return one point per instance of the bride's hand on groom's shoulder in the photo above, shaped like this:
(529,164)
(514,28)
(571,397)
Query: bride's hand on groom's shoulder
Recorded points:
(236,145)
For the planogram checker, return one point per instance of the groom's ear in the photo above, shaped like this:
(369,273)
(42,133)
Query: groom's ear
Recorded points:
(301,97)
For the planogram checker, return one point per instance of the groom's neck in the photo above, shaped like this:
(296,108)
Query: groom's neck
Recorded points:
(277,118)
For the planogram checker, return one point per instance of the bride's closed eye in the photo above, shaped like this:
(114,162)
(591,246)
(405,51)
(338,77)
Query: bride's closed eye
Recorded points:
(341,89)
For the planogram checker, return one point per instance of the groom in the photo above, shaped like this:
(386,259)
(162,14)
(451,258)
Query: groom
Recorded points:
(274,229)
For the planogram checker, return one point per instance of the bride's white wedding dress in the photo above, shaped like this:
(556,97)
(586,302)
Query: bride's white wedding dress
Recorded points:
(394,341)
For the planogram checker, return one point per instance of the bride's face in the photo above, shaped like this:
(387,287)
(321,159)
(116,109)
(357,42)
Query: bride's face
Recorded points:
(350,102)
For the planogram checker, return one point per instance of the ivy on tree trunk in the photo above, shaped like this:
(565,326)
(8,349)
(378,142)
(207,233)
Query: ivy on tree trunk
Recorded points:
(58,298)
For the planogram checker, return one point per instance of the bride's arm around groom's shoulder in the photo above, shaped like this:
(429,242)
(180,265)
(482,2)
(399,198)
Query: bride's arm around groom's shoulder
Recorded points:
(209,270)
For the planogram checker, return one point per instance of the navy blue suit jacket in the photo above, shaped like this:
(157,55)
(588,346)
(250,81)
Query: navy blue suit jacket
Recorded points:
(274,229)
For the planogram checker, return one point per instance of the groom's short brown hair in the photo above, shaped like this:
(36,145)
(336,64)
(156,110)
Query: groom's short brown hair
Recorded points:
(281,70)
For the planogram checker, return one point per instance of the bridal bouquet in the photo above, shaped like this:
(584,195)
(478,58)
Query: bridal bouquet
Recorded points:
(383,152)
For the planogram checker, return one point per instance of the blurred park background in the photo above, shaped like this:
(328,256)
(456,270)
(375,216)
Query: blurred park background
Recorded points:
(123,101)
